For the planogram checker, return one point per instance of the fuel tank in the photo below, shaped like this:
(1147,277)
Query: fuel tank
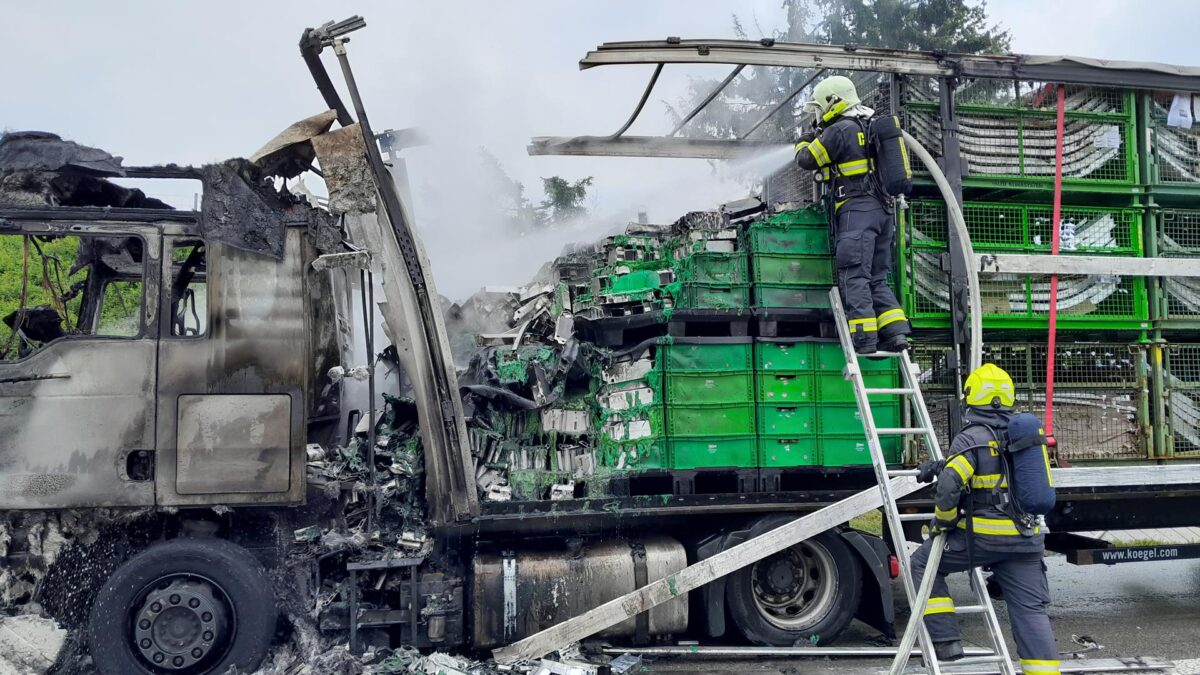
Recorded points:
(519,592)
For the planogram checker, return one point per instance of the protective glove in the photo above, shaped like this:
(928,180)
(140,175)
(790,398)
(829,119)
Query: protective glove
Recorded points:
(937,527)
(929,470)
(807,136)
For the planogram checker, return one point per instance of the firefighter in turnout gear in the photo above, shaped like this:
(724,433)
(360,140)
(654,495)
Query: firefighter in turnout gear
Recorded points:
(974,508)
(862,212)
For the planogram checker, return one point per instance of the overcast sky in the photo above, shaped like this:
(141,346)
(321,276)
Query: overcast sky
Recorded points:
(194,82)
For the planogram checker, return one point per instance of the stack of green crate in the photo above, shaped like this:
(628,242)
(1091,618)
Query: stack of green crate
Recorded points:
(632,422)
(709,386)
(713,280)
(791,261)
(807,415)
(787,419)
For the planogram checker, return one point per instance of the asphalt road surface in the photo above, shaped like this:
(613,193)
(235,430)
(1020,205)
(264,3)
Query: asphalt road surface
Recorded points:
(1134,609)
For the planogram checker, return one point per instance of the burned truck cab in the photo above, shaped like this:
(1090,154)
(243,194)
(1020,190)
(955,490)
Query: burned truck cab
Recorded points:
(152,356)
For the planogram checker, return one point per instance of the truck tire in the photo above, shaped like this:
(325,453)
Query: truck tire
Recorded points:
(194,606)
(806,594)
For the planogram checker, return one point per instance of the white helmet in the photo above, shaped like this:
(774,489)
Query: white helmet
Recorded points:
(833,96)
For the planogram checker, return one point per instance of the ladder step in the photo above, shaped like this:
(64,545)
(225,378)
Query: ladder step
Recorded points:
(898,431)
(970,609)
(898,473)
(972,660)
(908,517)
(876,355)
(893,391)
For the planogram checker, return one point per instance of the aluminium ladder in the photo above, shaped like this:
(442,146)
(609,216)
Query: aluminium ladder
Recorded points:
(918,598)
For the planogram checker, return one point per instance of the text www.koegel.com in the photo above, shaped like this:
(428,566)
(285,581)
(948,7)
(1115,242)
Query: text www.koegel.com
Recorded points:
(1129,554)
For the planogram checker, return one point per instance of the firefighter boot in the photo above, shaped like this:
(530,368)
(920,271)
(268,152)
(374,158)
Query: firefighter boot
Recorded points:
(897,343)
(948,651)
(865,343)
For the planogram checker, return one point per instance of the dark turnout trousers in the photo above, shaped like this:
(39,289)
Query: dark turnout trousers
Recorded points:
(863,253)
(1022,578)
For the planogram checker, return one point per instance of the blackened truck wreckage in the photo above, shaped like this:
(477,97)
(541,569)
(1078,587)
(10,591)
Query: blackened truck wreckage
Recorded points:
(192,444)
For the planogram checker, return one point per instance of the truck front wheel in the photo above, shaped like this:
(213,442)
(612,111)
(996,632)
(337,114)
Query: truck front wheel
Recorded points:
(186,606)
(808,593)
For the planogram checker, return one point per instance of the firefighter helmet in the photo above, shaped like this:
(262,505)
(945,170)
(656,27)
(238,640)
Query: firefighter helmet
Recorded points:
(833,96)
(990,386)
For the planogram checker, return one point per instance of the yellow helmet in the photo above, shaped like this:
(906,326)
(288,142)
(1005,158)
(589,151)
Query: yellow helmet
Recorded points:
(990,386)
(832,96)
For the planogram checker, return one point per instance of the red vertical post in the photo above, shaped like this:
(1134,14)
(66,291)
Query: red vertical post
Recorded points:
(1056,227)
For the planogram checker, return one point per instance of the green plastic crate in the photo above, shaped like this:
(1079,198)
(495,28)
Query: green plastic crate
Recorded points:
(813,215)
(843,418)
(790,239)
(832,388)
(637,281)
(849,450)
(829,357)
(788,452)
(793,421)
(691,421)
(782,387)
(790,296)
(717,387)
(770,268)
(783,355)
(713,296)
(716,268)
(713,452)
(709,356)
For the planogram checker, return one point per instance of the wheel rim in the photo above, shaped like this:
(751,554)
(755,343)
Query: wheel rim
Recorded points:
(181,624)
(794,589)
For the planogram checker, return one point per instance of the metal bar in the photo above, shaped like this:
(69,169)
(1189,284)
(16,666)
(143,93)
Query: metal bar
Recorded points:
(647,146)
(779,106)
(449,476)
(641,103)
(961,307)
(901,431)
(704,651)
(1027,263)
(708,99)
(836,57)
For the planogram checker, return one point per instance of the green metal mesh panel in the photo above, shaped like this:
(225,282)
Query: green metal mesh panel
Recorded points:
(1022,301)
(1178,233)
(1183,398)
(1009,130)
(1042,96)
(1028,228)
(1177,150)
(1099,393)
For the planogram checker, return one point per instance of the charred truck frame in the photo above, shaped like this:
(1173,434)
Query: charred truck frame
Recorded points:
(195,415)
